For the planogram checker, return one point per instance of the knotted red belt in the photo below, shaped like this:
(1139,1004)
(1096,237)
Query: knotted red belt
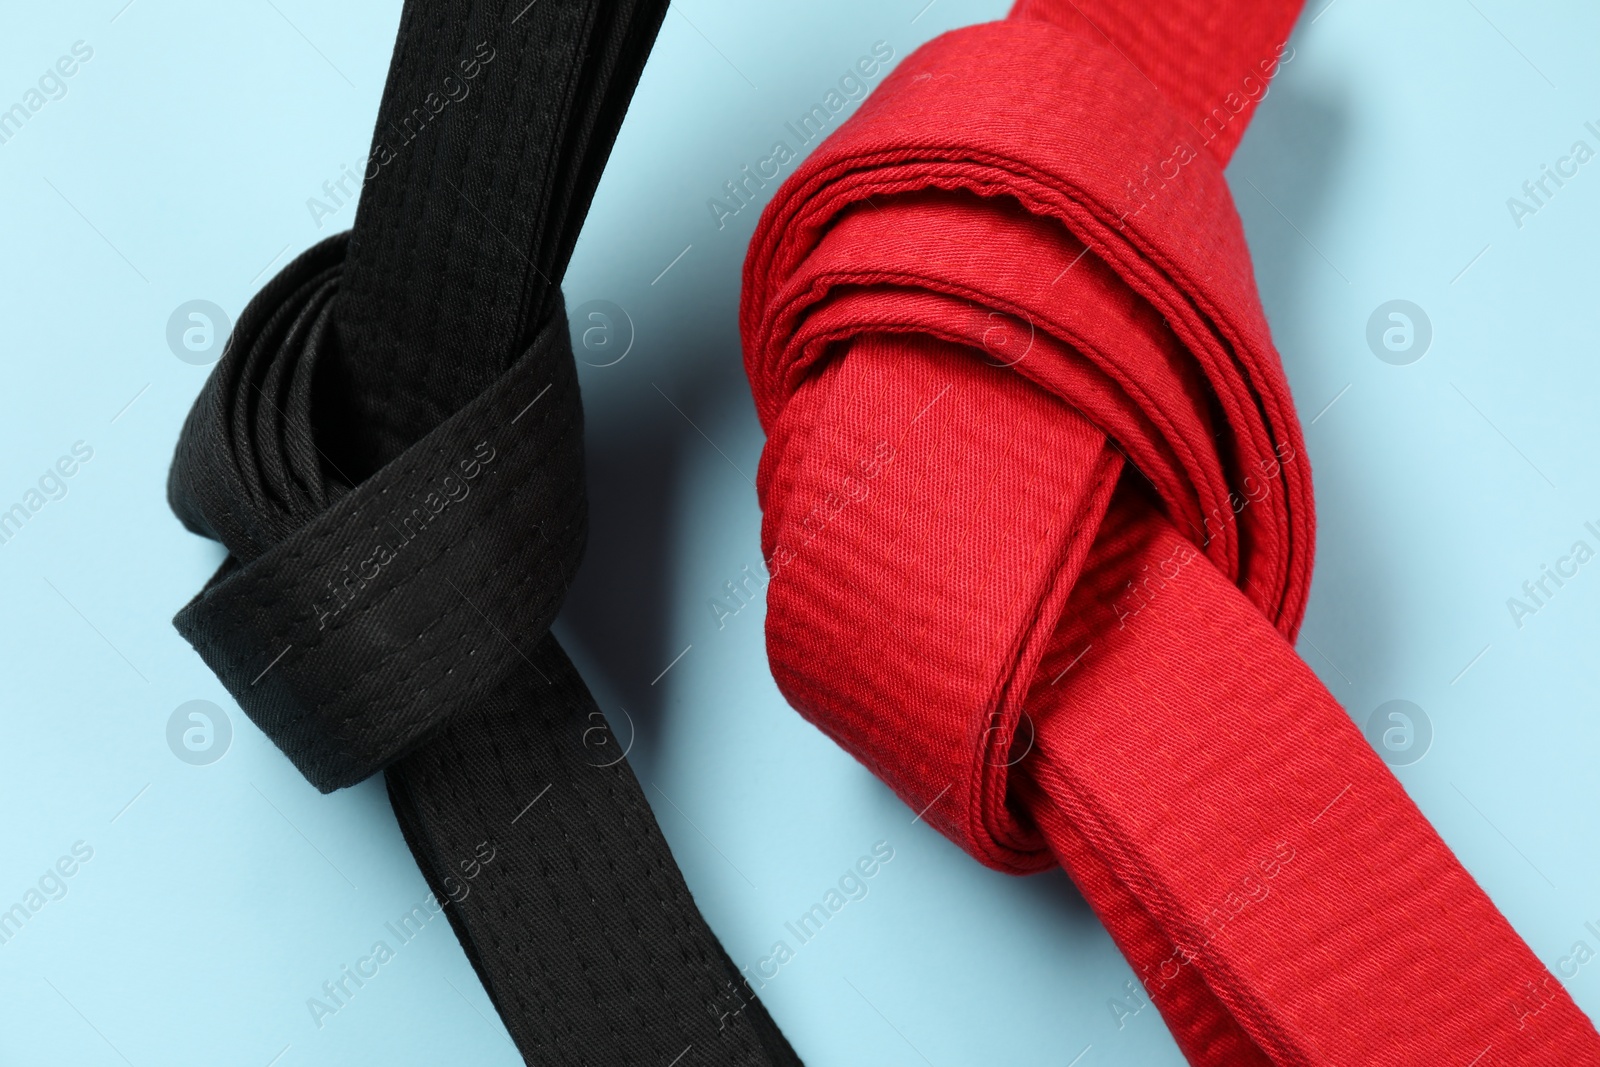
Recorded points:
(1040,528)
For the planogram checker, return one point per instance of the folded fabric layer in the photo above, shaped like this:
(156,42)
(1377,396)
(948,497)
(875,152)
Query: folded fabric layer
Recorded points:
(1040,531)
(391,450)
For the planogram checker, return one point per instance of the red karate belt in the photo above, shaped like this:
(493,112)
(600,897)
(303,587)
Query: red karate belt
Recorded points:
(1039,523)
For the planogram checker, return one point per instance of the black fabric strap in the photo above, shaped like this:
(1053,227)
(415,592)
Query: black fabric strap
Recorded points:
(391,450)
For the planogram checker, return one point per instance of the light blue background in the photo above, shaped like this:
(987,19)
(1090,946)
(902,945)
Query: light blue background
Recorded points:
(219,899)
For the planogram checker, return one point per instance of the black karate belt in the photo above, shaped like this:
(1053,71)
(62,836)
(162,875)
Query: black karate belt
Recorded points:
(391,450)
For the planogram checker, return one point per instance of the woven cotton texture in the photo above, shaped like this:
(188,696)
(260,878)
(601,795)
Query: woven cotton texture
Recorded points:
(391,449)
(1039,523)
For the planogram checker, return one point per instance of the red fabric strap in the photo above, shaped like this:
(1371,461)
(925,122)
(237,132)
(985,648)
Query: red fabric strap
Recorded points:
(1040,528)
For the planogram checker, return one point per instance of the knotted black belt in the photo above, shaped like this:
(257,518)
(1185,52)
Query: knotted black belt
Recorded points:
(391,450)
